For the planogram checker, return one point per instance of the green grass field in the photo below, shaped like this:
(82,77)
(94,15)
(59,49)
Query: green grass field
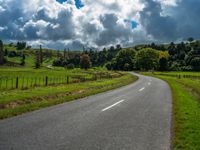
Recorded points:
(29,77)
(30,57)
(17,101)
(186,109)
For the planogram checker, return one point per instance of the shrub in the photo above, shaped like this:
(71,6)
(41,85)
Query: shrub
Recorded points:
(70,66)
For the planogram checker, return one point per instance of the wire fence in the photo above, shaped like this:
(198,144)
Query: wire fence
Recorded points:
(9,83)
(179,76)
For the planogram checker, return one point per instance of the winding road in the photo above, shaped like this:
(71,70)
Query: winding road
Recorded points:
(133,117)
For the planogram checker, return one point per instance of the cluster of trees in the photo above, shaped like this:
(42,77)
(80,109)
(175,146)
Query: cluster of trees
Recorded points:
(145,59)
(4,53)
(184,56)
(21,45)
(96,58)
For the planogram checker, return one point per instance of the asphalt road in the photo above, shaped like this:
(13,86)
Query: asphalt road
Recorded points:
(134,117)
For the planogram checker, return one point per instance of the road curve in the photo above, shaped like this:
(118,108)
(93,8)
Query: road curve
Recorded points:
(134,117)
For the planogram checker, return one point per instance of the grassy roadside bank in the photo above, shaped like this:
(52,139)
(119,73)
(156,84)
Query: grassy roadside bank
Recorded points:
(186,111)
(16,102)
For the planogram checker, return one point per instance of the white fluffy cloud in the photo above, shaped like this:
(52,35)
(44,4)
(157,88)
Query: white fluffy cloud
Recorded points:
(99,23)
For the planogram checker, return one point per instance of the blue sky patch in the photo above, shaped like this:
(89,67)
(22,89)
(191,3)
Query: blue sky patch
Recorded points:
(78,3)
(61,1)
(133,23)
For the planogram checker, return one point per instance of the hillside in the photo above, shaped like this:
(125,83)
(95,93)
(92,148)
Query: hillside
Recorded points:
(14,54)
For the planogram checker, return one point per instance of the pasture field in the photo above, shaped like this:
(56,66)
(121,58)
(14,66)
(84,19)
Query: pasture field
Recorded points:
(24,78)
(17,101)
(186,108)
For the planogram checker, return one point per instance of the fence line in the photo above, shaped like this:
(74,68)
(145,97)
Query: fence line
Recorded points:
(179,76)
(9,83)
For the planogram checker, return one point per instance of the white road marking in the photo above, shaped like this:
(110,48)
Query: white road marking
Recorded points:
(141,89)
(149,83)
(112,105)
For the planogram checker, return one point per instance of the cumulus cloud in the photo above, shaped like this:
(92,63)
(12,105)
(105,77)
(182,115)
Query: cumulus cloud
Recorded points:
(98,23)
(187,16)
(162,27)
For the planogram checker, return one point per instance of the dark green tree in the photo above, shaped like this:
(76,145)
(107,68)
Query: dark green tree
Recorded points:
(195,63)
(125,59)
(85,62)
(147,59)
(163,64)
(102,57)
(172,49)
(21,45)
(118,47)
(65,54)
(1,53)
(190,39)
(6,52)
(37,60)
(22,63)
(41,55)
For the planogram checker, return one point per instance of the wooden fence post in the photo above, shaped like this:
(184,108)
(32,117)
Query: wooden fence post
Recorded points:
(6,82)
(0,83)
(95,76)
(17,82)
(46,81)
(67,79)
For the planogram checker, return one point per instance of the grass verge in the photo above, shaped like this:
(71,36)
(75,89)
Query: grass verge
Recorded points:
(186,112)
(21,101)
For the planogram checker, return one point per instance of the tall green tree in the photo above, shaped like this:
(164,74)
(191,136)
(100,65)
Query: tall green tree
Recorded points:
(1,53)
(65,54)
(147,59)
(125,59)
(163,64)
(23,57)
(195,63)
(41,55)
(85,62)
(37,60)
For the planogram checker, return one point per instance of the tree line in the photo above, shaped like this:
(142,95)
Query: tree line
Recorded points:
(183,56)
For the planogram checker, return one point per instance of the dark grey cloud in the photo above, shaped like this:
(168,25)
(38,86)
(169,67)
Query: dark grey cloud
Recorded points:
(180,22)
(159,26)
(60,45)
(113,31)
(46,27)
(10,19)
(40,25)
(187,15)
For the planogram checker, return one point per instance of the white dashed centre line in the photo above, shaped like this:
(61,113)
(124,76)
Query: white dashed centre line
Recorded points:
(141,89)
(112,105)
(149,83)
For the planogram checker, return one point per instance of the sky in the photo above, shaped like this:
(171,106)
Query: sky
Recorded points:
(75,24)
